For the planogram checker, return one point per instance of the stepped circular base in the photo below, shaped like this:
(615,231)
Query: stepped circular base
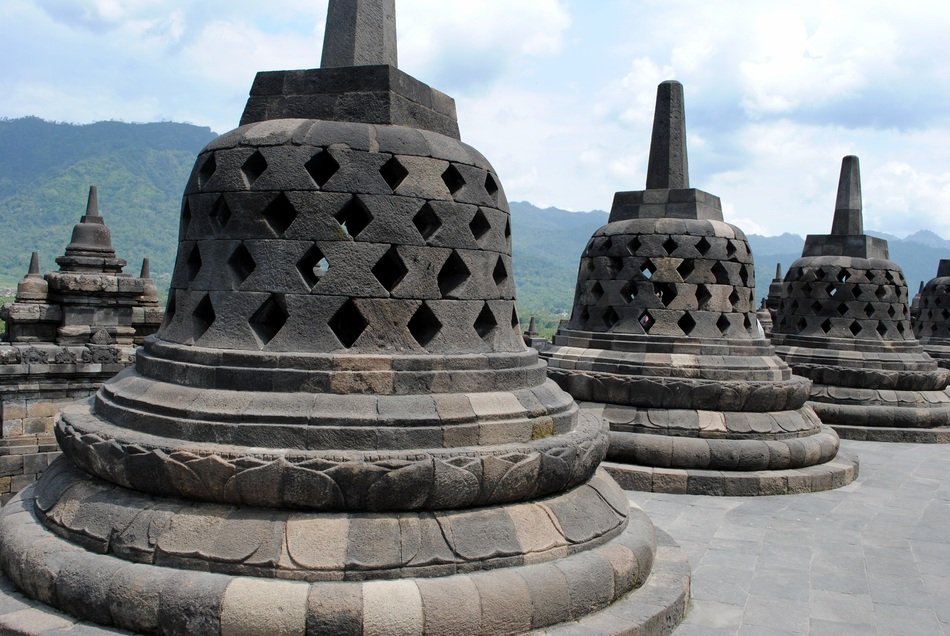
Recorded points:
(838,472)
(539,590)
(873,408)
(939,435)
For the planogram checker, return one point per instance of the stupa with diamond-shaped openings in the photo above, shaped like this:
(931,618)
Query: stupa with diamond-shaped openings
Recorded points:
(932,323)
(844,322)
(338,428)
(664,343)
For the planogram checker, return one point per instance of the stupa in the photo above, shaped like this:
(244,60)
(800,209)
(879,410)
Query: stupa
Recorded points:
(338,428)
(663,342)
(844,323)
(932,323)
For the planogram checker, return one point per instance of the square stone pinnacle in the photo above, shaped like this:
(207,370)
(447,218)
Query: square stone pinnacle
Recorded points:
(372,94)
(688,203)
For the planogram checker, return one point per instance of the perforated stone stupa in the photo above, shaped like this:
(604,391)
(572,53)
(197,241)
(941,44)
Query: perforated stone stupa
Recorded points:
(844,323)
(932,323)
(663,342)
(338,428)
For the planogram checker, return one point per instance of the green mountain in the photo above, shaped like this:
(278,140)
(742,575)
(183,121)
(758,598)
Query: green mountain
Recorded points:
(46,169)
(141,170)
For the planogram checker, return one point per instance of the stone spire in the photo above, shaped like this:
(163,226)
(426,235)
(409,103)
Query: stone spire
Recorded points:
(668,168)
(33,288)
(778,272)
(849,220)
(360,33)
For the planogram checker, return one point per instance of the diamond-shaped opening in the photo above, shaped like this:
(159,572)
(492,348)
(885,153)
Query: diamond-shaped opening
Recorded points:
(485,323)
(611,318)
(946,314)
(842,309)
(253,168)
(794,306)
(685,268)
(170,307)
(723,323)
(424,326)
(634,245)
(703,246)
(843,275)
(269,318)
(891,311)
(746,322)
(826,325)
(514,318)
(347,324)
(646,320)
(880,292)
(614,264)
(855,328)
(220,213)
(889,276)
(393,172)
(806,289)
(816,307)
(508,232)
(721,274)
(832,290)
(241,264)
(389,270)
(819,274)
(207,170)
(703,296)
(491,186)
(193,264)
(185,217)
(730,249)
(900,328)
(628,292)
(669,245)
(202,317)
(801,324)
(353,217)
(321,167)
(453,179)
(686,323)
(479,225)
(312,266)
(597,292)
(427,221)
(500,273)
(881,328)
(734,298)
(606,244)
(666,292)
(648,269)
(856,291)
(280,214)
(744,275)
(585,314)
(453,274)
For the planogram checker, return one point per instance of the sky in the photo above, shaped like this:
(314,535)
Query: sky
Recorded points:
(558,94)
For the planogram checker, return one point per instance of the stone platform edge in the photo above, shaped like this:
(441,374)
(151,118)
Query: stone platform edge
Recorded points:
(838,472)
(654,609)
(940,435)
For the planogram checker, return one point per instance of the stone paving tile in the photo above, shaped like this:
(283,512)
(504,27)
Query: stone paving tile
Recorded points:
(870,558)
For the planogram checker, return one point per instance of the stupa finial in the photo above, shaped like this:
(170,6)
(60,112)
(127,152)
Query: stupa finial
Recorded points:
(92,205)
(778,271)
(34,264)
(668,167)
(849,219)
(360,33)
(146,269)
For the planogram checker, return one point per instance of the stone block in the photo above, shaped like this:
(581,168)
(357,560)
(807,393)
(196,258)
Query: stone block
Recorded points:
(451,605)
(335,609)
(392,607)
(261,607)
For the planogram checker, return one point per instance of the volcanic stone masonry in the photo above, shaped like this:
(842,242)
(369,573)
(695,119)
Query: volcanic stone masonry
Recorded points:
(338,428)
(663,341)
(932,323)
(844,323)
(66,333)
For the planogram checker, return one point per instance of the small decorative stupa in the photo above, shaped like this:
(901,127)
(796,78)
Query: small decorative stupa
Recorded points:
(338,428)
(663,341)
(932,324)
(844,323)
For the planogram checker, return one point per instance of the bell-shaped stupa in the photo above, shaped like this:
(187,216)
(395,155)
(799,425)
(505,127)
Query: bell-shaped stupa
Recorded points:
(844,323)
(932,323)
(338,428)
(663,342)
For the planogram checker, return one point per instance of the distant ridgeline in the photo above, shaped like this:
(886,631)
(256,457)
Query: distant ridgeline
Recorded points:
(141,169)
